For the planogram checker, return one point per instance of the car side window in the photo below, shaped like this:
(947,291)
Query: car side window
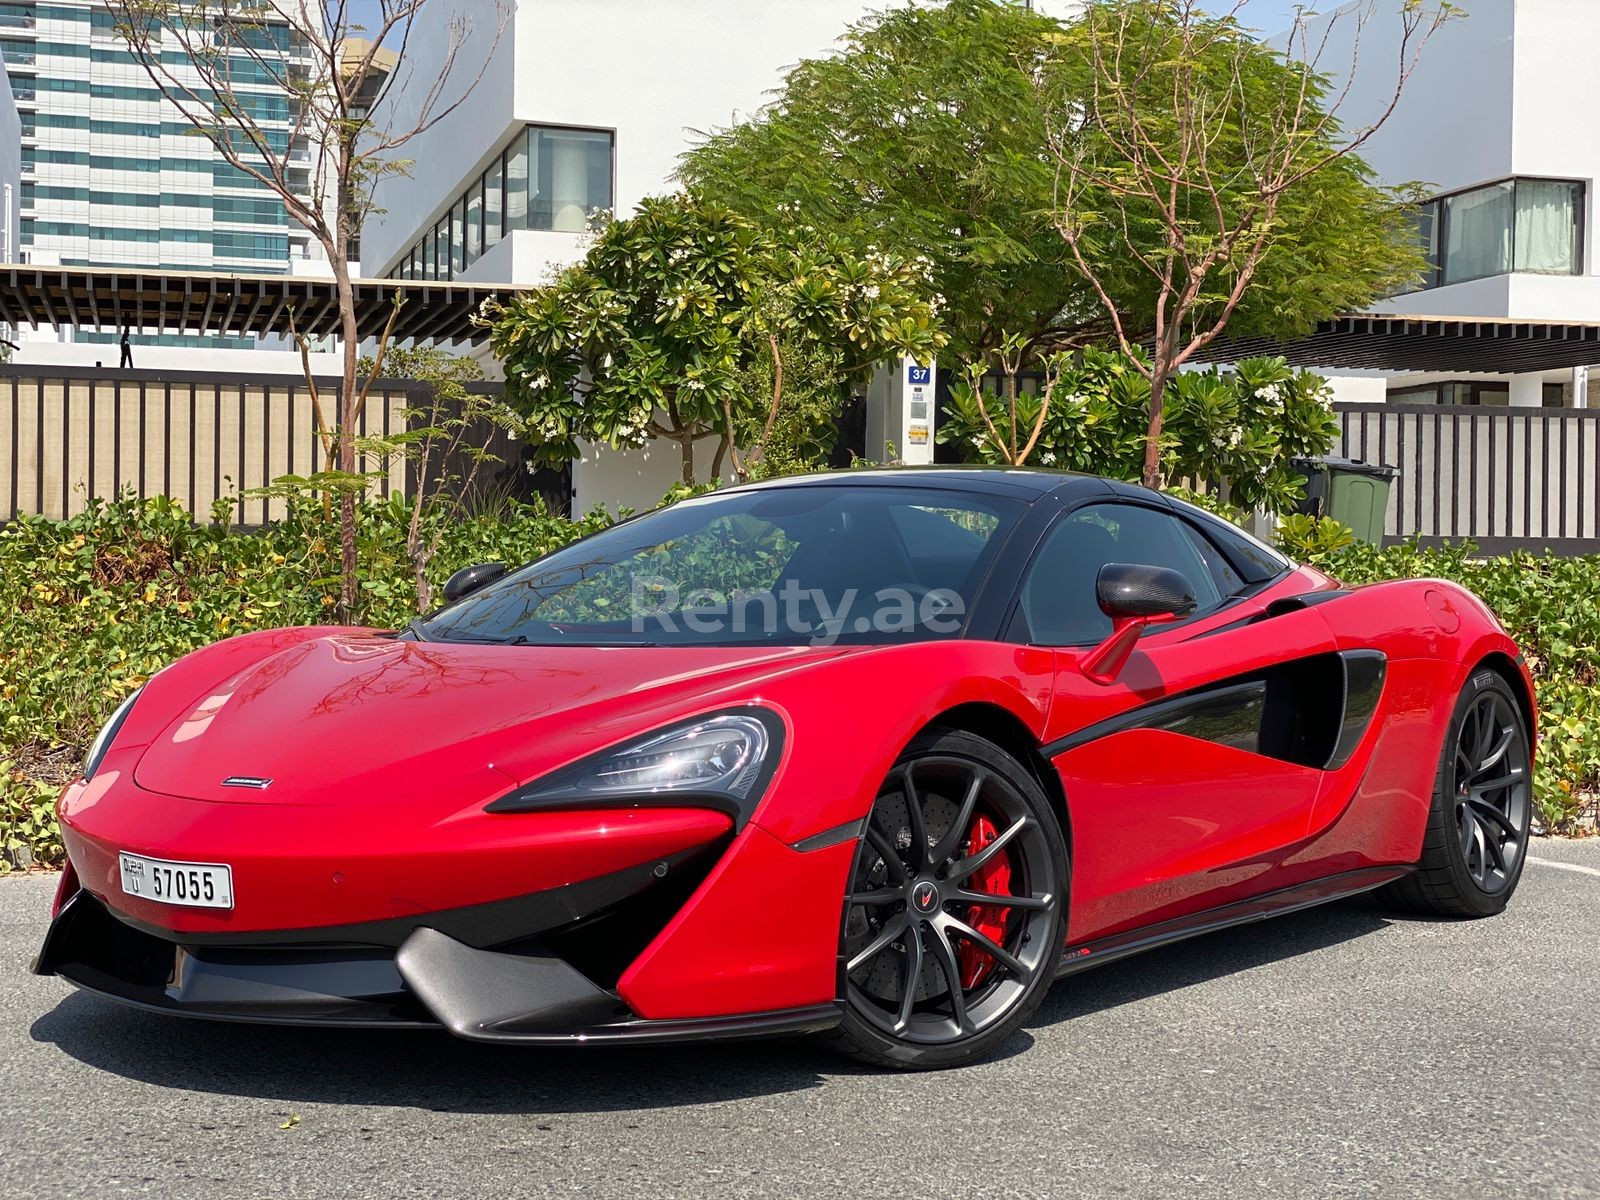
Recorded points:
(1221,570)
(1058,595)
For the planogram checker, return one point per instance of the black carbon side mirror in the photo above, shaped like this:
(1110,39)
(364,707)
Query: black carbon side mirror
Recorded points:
(1127,591)
(470,579)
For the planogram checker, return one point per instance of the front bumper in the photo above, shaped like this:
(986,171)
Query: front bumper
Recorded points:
(670,915)
(430,980)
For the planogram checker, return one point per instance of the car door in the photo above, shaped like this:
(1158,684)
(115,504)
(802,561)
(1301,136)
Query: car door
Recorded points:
(1191,775)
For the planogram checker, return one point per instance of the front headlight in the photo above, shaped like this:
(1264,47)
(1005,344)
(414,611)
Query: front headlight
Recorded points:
(108,732)
(723,760)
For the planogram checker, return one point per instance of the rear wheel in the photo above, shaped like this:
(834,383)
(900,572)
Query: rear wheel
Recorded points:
(955,918)
(1477,833)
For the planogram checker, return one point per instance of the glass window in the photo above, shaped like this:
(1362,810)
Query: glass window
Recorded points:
(785,566)
(1477,231)
(517,186)
(493,204)
(571,178)
(475,223)
(1059,597)
(441,249)
(458,238)
(1534,225)
(1250,560)
(1427,226)
(1549,225)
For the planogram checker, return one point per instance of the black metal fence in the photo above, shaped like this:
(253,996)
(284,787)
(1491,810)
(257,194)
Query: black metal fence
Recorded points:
(1508,478)
(68,434)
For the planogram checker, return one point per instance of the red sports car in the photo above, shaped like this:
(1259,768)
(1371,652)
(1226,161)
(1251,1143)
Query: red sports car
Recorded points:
(879,754)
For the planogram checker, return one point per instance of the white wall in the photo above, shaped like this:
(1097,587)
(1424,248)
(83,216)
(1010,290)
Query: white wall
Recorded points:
(43,348)
(652,71)
(1503,90)
(632,479)
(655,71)
(1358,387)
(1453,124)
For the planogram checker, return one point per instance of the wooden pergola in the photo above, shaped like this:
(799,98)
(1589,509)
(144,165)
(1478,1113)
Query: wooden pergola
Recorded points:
(1396,344)
(240,305)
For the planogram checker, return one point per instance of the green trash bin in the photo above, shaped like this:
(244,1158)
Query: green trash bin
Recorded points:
(1350,491)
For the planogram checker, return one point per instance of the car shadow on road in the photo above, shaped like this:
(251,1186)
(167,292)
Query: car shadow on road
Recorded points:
(1210,956)
(421,1069)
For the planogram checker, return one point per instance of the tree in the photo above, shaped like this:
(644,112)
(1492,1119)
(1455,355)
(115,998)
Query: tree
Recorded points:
(263,81)
(924,136)
(449,429)
(1201,173)
(655,332)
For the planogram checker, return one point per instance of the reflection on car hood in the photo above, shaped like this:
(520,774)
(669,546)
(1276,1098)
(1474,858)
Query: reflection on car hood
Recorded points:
(358,713)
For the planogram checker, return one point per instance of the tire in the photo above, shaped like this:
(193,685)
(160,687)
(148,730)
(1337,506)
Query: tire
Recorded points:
(973,971)
(1476,838)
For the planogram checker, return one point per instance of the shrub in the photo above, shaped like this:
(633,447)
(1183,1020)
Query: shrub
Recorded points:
(1238,429)
(97,604)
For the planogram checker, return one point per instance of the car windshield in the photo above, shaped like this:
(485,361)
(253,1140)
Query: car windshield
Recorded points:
(787,565)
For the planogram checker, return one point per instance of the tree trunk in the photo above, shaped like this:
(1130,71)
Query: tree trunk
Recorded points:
(1152,446)
(349,587)
(1011,406)
(419,567)
(686,443)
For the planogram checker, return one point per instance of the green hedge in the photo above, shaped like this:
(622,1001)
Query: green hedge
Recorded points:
(91,607)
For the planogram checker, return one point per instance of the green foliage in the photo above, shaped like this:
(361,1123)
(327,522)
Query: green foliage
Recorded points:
(931,131)
(1306,537)
(106,599)
(656,332)
(1235,429)
(28,830)
(1547,604)
(924,135)
(806,427)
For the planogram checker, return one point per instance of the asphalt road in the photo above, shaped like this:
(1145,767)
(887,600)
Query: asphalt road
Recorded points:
(1337,1052)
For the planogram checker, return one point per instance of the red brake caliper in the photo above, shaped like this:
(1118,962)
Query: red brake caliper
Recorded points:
(994,878)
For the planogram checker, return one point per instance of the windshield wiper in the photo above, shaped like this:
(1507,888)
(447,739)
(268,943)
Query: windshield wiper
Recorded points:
(523,639)
(418,630)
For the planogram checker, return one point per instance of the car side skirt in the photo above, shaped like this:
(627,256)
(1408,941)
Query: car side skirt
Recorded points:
(1087,955)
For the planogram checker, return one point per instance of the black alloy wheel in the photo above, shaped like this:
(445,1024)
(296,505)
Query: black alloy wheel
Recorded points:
(954,922)
(1492,791)
(1478,825)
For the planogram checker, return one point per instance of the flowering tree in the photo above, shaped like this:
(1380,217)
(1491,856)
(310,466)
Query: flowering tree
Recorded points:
(655,334)
(1236,431)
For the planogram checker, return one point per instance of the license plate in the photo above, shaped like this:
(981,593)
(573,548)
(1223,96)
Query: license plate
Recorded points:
(197,885)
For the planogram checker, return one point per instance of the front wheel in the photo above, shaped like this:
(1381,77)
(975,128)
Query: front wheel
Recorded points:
(956,913)
(1478,824)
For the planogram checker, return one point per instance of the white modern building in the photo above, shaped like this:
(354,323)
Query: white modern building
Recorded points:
(1498,125)
(113,176)
(585,106)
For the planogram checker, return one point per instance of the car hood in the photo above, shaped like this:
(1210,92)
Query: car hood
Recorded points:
(345,715)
